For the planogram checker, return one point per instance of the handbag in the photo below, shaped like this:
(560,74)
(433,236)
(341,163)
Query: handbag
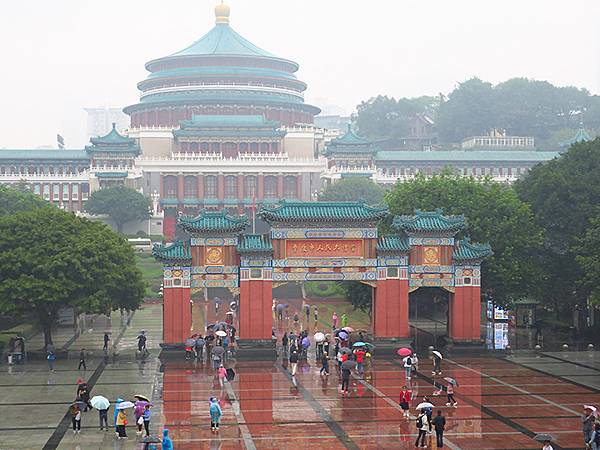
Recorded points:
(140,421)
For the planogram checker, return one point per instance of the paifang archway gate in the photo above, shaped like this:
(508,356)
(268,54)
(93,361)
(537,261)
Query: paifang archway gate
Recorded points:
(311,241)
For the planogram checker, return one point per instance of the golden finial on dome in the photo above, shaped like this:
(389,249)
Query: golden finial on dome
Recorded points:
(222,13)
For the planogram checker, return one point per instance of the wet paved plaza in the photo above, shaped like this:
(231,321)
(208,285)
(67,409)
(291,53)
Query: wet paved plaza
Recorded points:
(502,401)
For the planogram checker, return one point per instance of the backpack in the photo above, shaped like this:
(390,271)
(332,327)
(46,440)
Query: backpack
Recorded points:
(409,361)
(420,421)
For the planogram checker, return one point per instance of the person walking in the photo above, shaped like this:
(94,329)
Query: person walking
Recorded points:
(587,422)
(82,360)
(450,395)
(407,362)
(142,343)
(294,359)
(405,397)
(316,313)
(284,343)
(103,416)
(222,374)
(106,339)
(75,411)
(167,443)
(345,380)
(324,365)
(199,348)
(215,414)
(334,320)
(439,423)
(83,394)
(326,347)
(116,413)
(121,423)
(344,320)
(594,442)
(138,414)
(307,312)
(422,427)
(51,358)
(415,365)
(360,357)
(437,364)
(146,416)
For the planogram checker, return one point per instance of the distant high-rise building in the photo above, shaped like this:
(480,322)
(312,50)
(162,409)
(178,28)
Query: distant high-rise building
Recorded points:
(100,120)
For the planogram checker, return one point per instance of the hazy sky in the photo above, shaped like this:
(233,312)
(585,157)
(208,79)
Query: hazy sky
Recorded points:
(63,55)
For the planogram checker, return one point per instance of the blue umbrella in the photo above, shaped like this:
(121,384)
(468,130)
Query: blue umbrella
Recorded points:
(359,344)
(305,342)
(343,335)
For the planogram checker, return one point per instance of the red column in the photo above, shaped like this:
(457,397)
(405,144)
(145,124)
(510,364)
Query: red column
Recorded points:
(390,312)
(260,187)
(221,187)
(465,314)
(169,223)
(256,301)
(177,315)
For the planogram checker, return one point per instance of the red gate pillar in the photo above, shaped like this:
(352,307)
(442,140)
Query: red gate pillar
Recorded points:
(256,302)
(169,224)
(390,312)
(465,314)
(177,313)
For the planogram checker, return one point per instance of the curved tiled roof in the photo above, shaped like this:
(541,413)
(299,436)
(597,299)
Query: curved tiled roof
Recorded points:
(581,136)
(41,155)
(393,243)
(178,251)
(425,221)
(255,243)
(466,250)
(112,137)
(291,211)
(213,221)
(350,142)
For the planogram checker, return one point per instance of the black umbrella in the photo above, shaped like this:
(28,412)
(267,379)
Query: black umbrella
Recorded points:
(210,325)
(347,350)
(218,350)
(151,440)
(350,365)
(542,437)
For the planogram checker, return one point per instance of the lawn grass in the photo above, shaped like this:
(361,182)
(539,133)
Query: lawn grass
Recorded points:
(152,272)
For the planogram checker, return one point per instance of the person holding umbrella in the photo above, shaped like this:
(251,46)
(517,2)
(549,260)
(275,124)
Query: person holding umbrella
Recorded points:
(545,439)
(359,354)
(138,411)
(101,404)
(116,413)
(450,391)
(199,348)
(436,358)
(422,427)
(122,418)
(587,422)
(345,378)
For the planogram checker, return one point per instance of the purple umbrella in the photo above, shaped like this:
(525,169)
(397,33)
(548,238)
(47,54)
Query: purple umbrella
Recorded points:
(343,335)
(305,343)
(280,307)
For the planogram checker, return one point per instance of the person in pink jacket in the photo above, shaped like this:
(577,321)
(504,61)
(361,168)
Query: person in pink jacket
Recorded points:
(334,320)
(222,373)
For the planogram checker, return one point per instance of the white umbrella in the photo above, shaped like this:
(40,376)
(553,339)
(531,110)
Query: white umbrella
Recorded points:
(100,402)
(438,354)
(319,337)
(424,405)
(593,408)
(125,405)
(221,333)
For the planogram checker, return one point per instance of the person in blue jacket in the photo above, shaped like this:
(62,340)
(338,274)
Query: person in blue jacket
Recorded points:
(119,400)
(167,444)
(215,414)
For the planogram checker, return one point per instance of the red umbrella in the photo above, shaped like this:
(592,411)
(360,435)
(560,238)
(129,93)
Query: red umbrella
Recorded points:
(405,351)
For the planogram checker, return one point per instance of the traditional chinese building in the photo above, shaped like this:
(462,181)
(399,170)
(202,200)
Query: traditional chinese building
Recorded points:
(311,241)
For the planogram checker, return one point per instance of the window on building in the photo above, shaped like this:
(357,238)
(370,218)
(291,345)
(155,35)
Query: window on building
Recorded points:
(270,187)
(254,147)
(289,187)
(275,147)
(231,186)
(204,147)
(243,146)
(65,192)
(170,187)
(75,192)
(55,192)
(85,189)
(210,186)
(264,147)
(36,189)
(46,192)
(250,186)
(190,187)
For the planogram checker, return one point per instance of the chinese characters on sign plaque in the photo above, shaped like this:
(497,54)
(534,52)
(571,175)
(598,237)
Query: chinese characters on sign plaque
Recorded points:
(319,248)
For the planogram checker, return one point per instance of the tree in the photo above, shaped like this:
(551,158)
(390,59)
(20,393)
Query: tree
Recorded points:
(494,214)
(386,117)
(360,295)
(353,189)
(565,196)
(15,200)
(121,203)
(588,258)
(50,259)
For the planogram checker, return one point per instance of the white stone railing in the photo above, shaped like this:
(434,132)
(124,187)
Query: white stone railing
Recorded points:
(45,177)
